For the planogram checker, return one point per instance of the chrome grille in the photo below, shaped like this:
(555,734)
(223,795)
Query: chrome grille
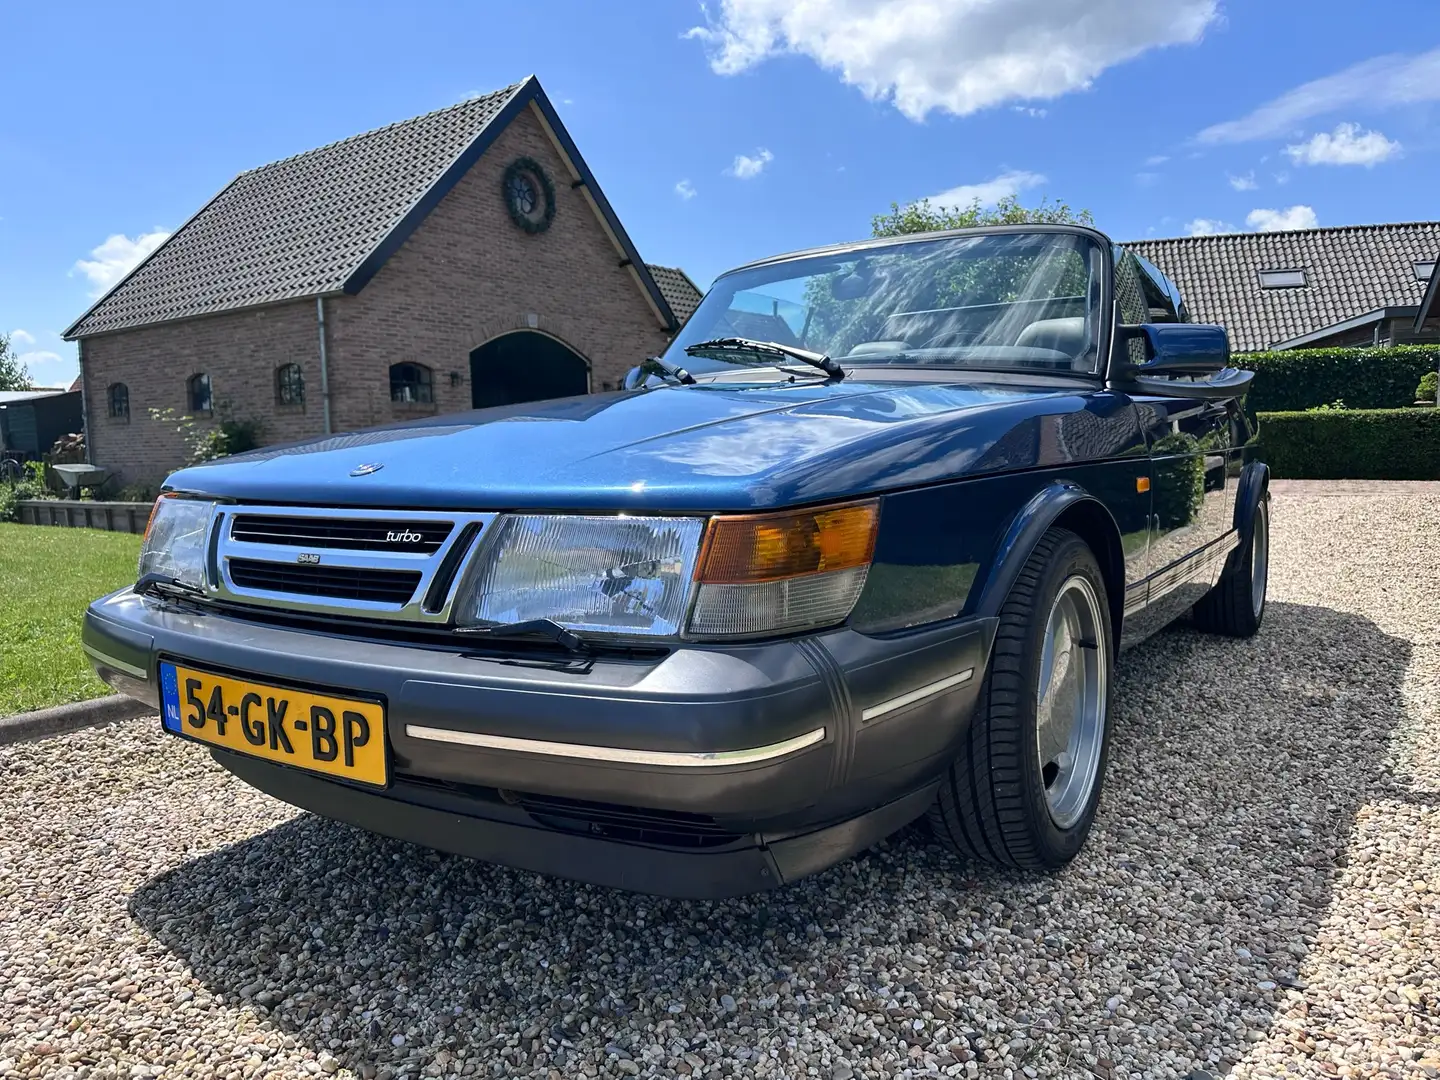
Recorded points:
(342,533)
(343,561)
(338,582)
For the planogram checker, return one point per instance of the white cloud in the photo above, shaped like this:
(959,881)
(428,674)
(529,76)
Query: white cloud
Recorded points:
(987,192)
(48,368)
(1295,217)
(1382,82)
(957,56)
(1346,145)
(1031,111)
(21,337)
(116,257)
(1157,159)
(685,190)
(1207,227)
(1147,179)
(1243,183)
(746,167)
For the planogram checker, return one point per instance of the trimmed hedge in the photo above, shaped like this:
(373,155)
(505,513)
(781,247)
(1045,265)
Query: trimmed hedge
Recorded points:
(1352,444)
(1362,378)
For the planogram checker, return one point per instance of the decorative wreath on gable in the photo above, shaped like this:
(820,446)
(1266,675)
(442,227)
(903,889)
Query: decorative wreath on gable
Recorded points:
(529,195)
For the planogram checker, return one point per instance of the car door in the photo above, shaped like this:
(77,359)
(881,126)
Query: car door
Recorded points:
(1191,491)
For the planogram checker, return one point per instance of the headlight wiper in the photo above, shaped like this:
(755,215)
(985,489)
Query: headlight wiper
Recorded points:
(725,347)
(655,365)
(546,628)
(163,587)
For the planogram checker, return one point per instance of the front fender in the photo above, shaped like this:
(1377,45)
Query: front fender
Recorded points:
(1058,498)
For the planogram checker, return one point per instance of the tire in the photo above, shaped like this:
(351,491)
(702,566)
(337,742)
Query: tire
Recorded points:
(1235,607)
(994,804)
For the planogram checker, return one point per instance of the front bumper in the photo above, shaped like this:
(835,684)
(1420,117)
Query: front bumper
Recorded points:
(771,743)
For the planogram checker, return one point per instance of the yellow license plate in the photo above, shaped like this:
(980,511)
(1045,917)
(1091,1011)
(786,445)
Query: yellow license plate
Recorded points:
(341,737)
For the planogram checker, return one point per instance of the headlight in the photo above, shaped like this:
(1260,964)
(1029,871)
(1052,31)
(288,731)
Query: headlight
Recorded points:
(618,575)
(175,539)
(649,576)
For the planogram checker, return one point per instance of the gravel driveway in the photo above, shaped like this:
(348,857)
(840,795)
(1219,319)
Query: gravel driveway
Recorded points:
(1261,897)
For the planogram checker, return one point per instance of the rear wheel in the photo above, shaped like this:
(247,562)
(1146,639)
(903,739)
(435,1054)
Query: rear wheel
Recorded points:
(1236,605)
(1024,789)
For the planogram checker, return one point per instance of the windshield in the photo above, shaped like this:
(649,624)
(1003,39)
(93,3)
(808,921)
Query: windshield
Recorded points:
(999,301)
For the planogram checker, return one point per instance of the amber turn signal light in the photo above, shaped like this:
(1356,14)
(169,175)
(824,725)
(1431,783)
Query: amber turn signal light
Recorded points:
(770,547)
(150,521)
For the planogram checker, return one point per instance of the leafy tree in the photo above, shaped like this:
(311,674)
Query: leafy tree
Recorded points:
(14,375)
(922,217)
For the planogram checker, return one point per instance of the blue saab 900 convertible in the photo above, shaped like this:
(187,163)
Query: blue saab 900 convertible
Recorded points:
(862,546)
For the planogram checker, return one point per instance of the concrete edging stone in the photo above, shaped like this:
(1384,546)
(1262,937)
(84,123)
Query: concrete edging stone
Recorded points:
(63,719)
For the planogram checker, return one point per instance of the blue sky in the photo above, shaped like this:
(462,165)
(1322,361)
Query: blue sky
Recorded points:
(727,133)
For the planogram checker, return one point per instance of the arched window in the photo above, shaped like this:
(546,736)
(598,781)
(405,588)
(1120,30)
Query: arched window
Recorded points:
(118,400)
(411,383)
(289,385)
(197,393)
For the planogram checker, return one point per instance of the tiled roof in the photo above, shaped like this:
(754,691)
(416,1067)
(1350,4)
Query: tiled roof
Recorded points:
(324,221)
(1349,271)
(294,228)
(681,293)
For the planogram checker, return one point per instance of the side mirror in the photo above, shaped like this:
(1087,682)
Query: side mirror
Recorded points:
(636,377)
(1174,349)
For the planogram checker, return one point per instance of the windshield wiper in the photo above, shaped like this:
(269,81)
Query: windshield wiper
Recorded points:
(546,628)
(723,348)
(655,365)
(163,587)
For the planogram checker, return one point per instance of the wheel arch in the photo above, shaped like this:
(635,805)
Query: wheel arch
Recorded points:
(1060,504)
(1254,482)
(1253,485)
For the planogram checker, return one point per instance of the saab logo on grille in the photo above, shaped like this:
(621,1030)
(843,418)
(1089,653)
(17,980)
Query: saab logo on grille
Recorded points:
(404,536)
(307,557)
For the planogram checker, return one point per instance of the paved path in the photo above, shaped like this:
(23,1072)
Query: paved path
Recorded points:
(1355,487)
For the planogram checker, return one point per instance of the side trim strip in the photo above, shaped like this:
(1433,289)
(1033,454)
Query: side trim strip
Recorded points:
(874,712)
(119,665)
(619,754)
(1167,580)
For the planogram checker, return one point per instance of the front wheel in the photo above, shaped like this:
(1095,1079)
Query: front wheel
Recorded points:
(1024,788)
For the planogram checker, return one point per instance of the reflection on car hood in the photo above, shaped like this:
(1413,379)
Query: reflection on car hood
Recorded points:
(712,446)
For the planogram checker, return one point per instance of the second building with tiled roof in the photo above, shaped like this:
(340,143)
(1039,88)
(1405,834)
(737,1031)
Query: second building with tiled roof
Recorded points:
(1353,285)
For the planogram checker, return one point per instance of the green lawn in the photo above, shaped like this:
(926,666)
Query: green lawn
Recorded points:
(47,576)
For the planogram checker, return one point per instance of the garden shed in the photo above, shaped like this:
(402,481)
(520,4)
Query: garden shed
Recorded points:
(31,420)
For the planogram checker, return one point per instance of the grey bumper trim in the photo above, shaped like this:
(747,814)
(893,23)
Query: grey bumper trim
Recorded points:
(618,754)
(119,665)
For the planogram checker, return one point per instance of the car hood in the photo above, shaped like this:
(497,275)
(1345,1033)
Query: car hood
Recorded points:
(711,446)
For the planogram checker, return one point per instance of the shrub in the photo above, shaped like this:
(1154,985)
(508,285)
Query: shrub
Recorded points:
(210,441)
(1352,444)
(1365,378)
(31,485)
(137,493)
(1429,386)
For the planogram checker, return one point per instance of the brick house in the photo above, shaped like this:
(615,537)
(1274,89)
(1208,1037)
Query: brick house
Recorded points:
(459,259)
(1306,288)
